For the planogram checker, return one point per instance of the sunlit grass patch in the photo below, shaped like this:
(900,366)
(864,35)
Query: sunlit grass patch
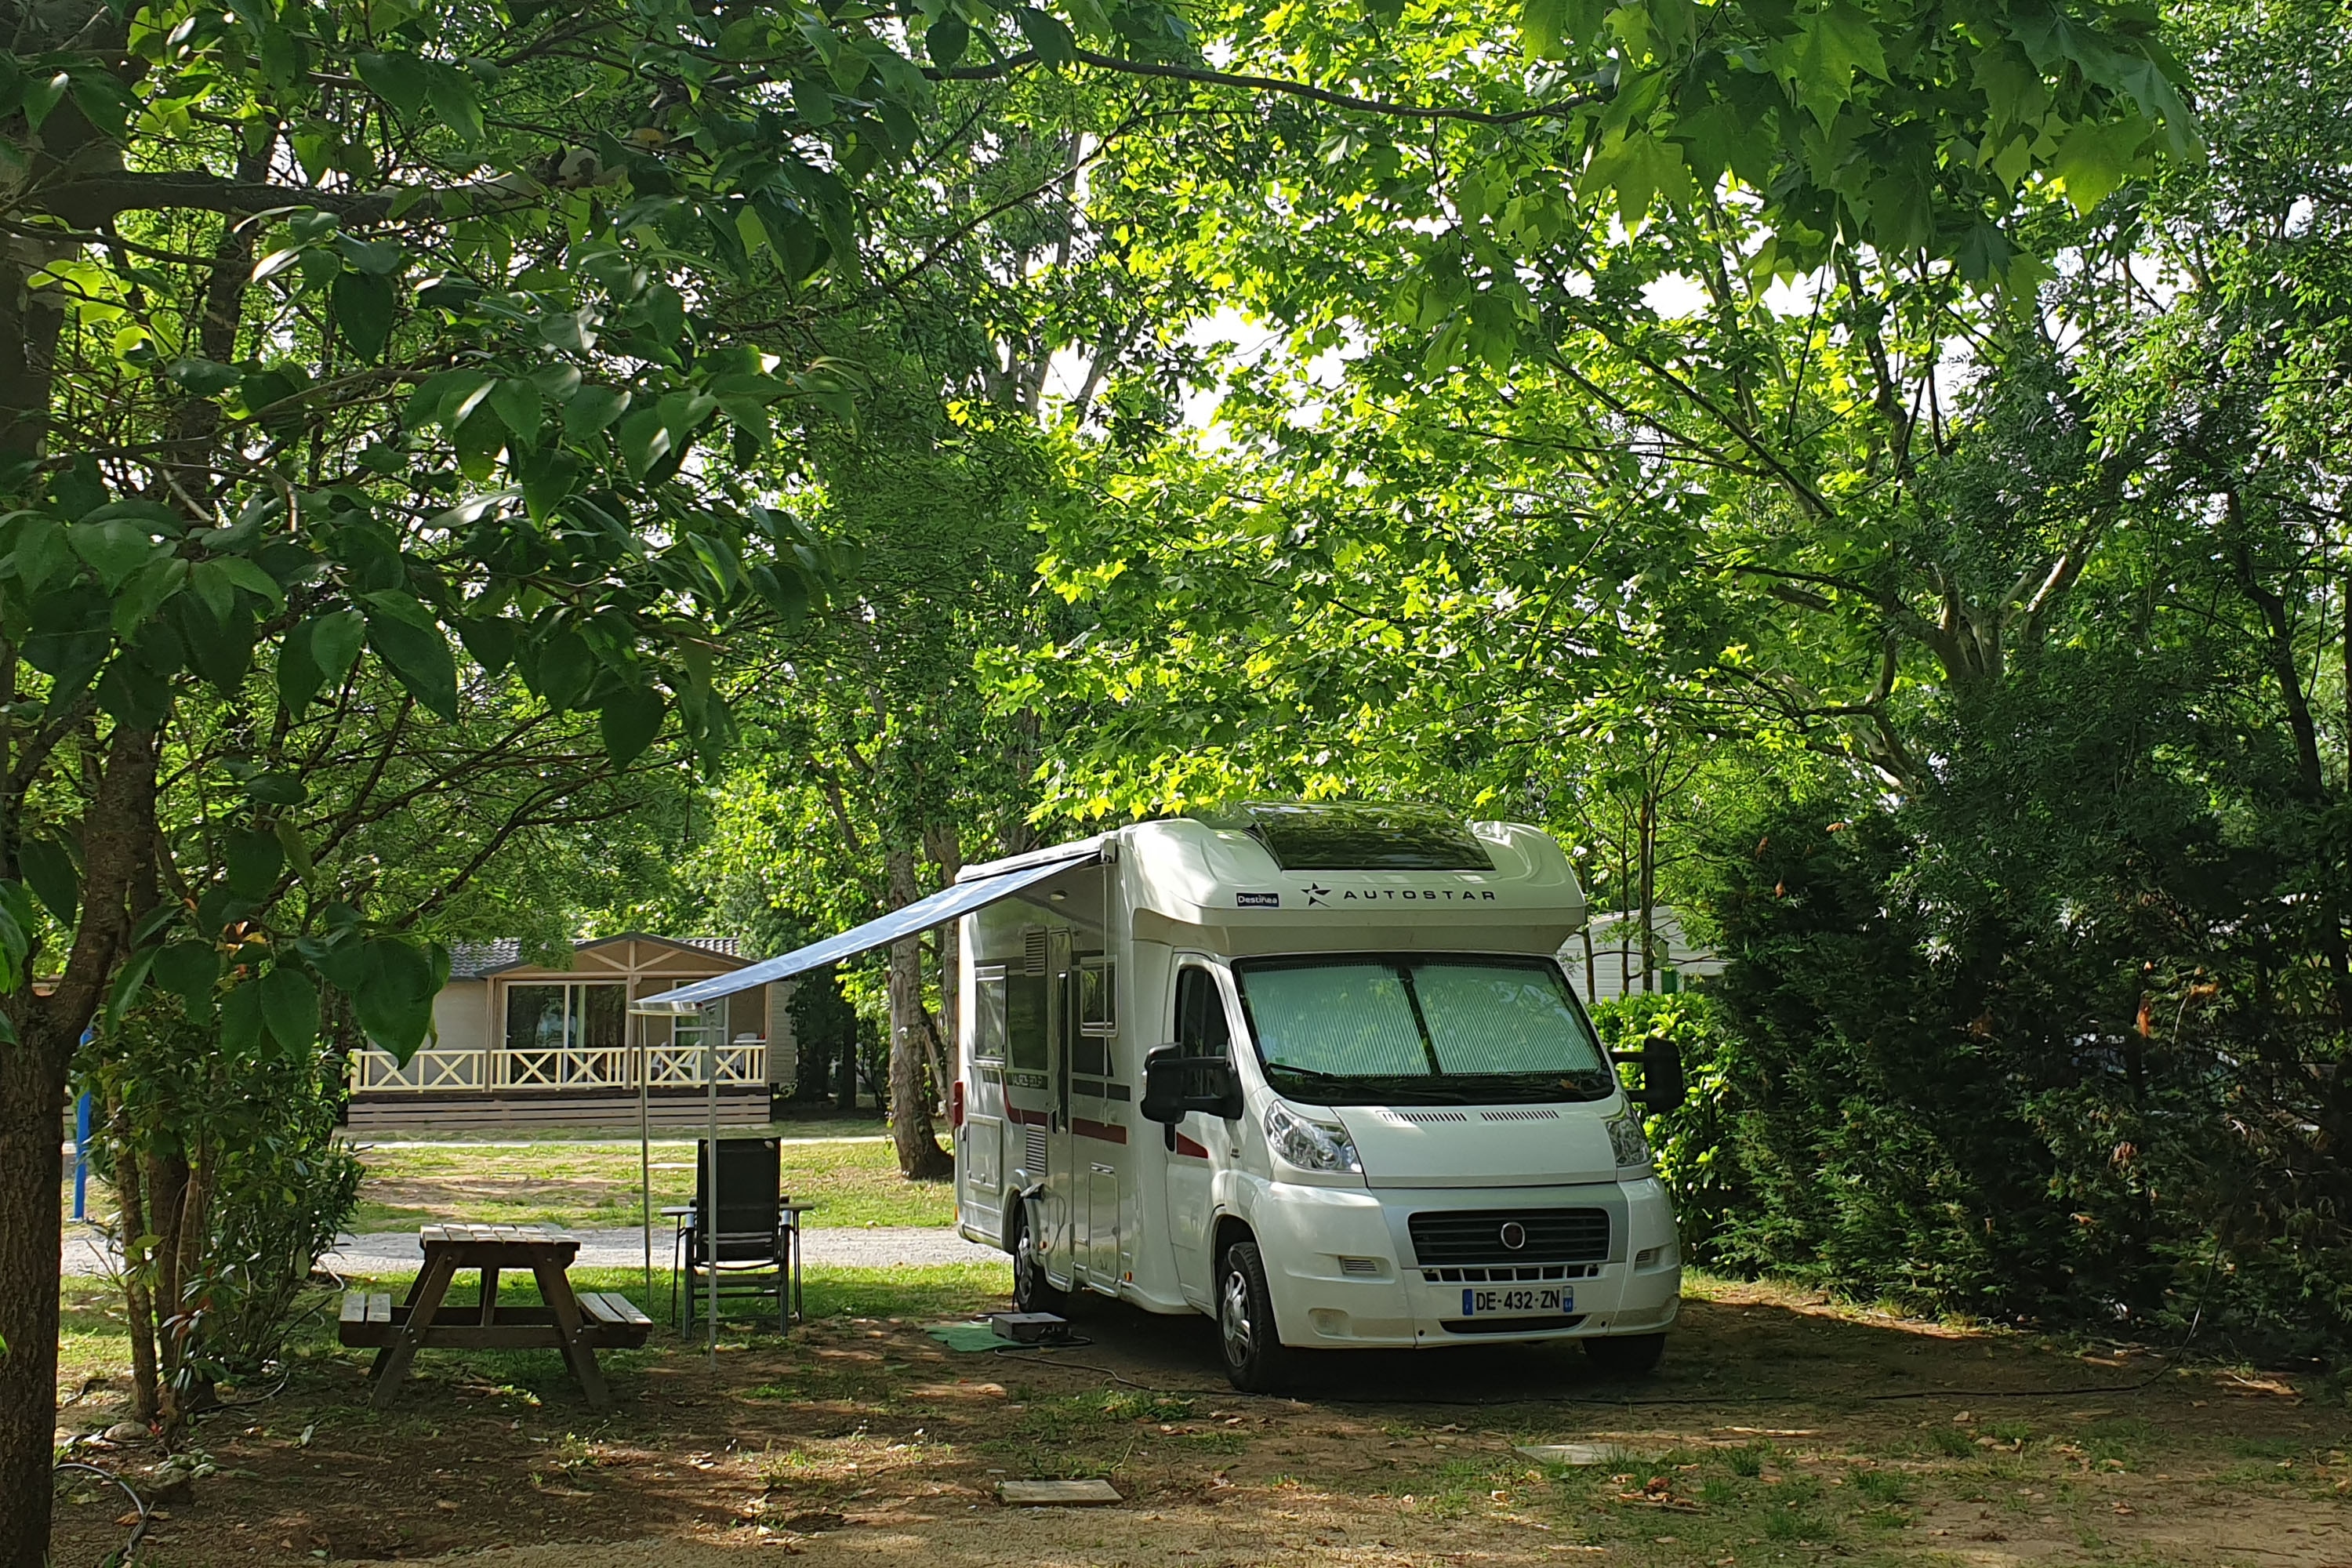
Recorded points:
(597,1186)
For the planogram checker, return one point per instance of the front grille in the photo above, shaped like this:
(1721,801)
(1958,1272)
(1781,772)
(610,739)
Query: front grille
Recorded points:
(1509,1275)
(1476,1236)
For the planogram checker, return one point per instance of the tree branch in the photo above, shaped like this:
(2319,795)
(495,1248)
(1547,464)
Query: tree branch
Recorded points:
(1200,76)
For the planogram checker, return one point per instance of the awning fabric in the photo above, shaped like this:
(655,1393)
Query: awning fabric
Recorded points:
(942,907)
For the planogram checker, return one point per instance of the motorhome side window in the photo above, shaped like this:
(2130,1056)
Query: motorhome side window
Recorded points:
(1024,1021)
(1200,1026)
(988,1023)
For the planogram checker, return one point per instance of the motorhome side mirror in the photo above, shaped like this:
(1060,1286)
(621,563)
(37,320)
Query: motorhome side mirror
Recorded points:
(1174,1085)
(1662,1075)
(1162,1085)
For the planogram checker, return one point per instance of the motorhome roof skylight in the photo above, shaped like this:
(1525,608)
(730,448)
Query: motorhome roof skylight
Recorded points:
(1334,835)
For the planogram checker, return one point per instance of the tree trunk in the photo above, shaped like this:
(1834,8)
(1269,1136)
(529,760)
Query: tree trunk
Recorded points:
(921,1158)
(138,1299)
(33,1072)
(32,1113)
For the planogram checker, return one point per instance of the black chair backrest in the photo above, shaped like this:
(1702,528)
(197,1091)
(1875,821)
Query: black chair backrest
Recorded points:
(751,1177)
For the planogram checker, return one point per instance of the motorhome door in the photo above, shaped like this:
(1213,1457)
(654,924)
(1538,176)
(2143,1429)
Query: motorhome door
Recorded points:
(1204,1145)
(1029,1083)
(980,1142)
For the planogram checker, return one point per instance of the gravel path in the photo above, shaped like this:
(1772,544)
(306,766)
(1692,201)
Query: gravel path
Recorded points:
(882,1246)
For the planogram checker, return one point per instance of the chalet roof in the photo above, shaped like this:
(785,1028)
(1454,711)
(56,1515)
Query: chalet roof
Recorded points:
(480,959)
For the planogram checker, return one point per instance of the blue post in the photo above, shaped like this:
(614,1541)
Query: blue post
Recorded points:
(82,1156)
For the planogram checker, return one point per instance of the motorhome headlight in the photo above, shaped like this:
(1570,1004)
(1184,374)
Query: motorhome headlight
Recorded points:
(1627,1143)
(1309,1145)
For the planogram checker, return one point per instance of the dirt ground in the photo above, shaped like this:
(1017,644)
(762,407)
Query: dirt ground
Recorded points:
(1780,1430)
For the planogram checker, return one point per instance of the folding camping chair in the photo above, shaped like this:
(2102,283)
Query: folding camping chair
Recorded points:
(758,1232)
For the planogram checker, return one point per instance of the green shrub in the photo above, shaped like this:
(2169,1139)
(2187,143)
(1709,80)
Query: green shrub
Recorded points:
(1697,1169)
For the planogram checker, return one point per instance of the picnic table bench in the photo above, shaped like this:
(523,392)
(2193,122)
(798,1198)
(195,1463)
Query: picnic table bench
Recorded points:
(575,1324)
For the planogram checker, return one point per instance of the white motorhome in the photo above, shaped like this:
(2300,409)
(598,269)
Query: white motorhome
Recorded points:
(1313,1070)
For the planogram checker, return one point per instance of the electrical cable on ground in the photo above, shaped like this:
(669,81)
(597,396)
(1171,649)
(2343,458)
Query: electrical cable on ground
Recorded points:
(138,1531)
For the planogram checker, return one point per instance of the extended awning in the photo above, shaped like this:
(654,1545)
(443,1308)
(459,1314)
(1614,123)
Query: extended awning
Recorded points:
(986,885)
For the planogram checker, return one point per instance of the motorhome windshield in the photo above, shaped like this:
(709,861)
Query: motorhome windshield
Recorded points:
(1414,1030)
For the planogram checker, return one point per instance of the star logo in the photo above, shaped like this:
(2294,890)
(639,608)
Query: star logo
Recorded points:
(1316,894)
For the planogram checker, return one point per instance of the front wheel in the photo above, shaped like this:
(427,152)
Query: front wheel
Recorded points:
(1256,1358)
(1031,1291)
(1626,1356)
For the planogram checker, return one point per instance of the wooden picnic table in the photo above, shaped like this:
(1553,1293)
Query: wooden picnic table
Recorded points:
(573,1324)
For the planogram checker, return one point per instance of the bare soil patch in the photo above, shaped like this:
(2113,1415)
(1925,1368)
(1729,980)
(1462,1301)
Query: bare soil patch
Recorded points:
(1770,1436)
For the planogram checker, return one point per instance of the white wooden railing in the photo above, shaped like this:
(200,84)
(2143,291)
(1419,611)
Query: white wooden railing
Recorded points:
(557,1066)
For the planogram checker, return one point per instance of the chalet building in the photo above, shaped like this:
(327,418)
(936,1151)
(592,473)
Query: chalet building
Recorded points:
(523,1046)
(1616,963)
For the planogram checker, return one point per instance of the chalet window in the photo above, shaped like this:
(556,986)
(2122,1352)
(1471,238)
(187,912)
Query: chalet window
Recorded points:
(571,1015)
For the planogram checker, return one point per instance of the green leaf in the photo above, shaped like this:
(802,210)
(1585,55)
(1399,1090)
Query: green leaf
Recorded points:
(240,1020)
(299,675)
(213,589)
(1832,43)
(1048,34)
(114,549)
(277,789)
(335,643)
(559,669)
(398,80)
(297,852)
(645,440)
(41,554)
(410,642)
(547,478)
(490,639)
(254,859)
(630,718)
(1543,29)
(127,982)
(202,377)
(50,872)
(377,257)
(591,409)
(43,94)
(454,102)
(2091,160)
(393,1001)
(289,1005)
(946,40)
(364,308)
(516,402)
(189,970)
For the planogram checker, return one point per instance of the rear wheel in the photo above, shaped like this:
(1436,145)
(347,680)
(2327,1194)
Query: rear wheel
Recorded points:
(1626,1356)
(1256,1358)
(1031,1291)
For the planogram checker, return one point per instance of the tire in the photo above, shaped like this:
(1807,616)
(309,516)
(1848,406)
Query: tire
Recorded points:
(1256,1361)
(1031,1291)
(1626,1356)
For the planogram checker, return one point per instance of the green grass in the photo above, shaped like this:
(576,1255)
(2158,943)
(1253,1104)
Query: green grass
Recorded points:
(863,1124)
(93,1341)
(594,1187)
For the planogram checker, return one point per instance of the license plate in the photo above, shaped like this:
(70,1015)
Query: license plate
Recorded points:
(1549,1299)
